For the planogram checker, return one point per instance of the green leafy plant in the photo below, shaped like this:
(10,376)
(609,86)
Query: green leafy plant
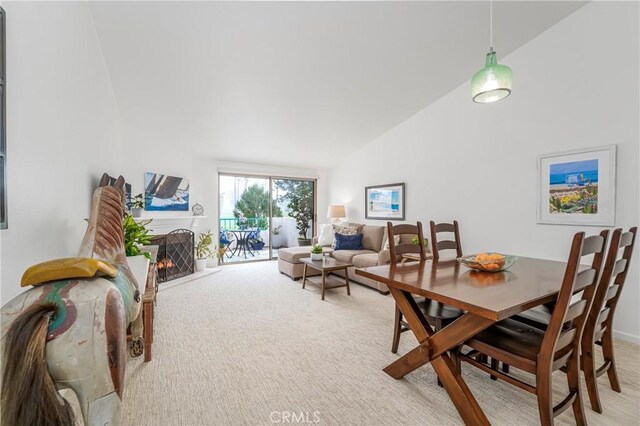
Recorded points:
(254,203)
(299,197)
(220,252)
(203,246)
(316,249)
(415,240)
(136,234)
(137,202)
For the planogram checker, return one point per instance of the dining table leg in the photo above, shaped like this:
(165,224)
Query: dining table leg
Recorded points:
(433,349)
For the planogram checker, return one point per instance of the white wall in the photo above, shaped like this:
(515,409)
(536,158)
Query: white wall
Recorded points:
(177,158)
(576,85)
(63,132)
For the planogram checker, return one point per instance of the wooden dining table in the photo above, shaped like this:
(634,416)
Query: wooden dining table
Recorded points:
(486,298)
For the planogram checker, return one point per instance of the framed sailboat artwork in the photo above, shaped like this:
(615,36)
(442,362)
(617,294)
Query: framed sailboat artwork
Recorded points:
(165,193)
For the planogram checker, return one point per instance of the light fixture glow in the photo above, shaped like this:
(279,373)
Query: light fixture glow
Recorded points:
(493,82)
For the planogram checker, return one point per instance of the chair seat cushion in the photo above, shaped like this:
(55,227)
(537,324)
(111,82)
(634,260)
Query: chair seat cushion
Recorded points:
(365,260)
(511,336)
(348,255)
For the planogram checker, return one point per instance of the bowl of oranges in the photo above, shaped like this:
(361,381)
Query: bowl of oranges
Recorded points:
(488,262)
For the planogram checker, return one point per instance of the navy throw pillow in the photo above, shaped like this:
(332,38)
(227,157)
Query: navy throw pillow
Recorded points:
(348,242)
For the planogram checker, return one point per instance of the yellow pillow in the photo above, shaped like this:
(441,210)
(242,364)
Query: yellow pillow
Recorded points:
(62,269)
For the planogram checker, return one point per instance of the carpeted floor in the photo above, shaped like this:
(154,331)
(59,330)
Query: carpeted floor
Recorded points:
(248,345)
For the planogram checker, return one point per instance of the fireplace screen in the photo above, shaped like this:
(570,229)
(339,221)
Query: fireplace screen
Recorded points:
(175,254)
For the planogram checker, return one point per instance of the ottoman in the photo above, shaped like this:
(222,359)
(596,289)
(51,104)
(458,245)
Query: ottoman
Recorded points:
(289,261)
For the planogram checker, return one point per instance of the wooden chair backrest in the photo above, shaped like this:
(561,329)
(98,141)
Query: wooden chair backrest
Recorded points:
(562,338)
(437,246)
(395,251)
(613,276)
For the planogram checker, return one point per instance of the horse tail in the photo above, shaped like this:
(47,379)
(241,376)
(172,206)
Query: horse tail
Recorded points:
(29,395)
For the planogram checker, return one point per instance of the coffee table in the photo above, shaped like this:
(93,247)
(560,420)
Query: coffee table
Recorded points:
(326,266)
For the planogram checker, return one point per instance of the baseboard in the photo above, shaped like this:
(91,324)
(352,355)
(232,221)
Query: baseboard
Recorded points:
(188,278)
(627,337)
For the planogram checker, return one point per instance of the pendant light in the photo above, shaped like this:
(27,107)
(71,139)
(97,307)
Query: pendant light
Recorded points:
(493,82)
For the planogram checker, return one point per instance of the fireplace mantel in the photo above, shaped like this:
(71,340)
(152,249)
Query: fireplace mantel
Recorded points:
(161,225)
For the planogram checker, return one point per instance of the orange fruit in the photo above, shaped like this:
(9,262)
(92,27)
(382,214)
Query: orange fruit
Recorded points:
(481,257)
(492,266)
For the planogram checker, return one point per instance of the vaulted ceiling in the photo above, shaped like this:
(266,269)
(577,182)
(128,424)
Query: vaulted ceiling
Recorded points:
(296,83)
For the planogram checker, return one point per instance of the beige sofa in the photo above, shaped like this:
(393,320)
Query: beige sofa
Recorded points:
(372,254)
(374,239)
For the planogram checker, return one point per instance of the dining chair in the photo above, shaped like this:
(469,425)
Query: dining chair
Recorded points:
(438,314)
(395,253)
(541,352)
(598,329)
(438,245)
(599,326)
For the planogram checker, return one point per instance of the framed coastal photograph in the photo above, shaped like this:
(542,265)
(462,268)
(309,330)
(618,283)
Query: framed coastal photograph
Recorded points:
(578,187)
(165,193)
(384,201)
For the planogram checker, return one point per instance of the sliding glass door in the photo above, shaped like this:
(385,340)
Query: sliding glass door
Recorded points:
(293,213)
(258,215)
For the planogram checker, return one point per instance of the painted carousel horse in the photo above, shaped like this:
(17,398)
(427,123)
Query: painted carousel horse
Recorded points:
(69,330)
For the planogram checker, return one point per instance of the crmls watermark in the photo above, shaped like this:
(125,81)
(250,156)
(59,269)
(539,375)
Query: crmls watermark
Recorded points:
(296,417)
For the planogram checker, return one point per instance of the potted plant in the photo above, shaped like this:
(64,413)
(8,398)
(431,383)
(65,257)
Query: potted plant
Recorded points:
(137,204)
(276,240)
(220,251)
(415,240)
(298,194)
(136,234)
(242,221)
(316,252)
(203,250)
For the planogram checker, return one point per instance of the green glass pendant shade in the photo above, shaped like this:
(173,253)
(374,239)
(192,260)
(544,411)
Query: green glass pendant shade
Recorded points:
(491,83)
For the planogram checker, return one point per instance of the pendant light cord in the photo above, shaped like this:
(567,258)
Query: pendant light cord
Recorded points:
(491,25)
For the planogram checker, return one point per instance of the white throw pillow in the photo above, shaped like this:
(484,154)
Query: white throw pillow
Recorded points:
(326,236)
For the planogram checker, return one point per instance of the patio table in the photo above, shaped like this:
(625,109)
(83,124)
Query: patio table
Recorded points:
(242,241)
(485,296)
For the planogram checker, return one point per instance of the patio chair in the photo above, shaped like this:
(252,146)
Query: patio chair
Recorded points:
(255,243)
(225,242)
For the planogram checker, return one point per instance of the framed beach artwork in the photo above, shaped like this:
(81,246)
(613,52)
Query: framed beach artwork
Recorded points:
(578,187)
(384,202)
(165,193)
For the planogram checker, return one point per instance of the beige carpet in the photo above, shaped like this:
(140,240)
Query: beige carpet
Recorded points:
(246,344)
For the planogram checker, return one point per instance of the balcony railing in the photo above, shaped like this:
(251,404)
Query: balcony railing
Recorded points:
(228,223)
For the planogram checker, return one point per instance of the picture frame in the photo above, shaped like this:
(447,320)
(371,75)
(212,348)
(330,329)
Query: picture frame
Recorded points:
(165,193)
(577,187)
(385,202)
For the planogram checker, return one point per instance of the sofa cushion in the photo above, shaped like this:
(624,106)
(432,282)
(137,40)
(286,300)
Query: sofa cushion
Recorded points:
(365,260)
(372,237)
(345,230)
(396,241)
(358,227)
(326,235)
(347,255)
(348,242)
(294,254)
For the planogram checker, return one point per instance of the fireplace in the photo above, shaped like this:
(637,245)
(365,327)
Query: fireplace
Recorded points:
(175,254)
